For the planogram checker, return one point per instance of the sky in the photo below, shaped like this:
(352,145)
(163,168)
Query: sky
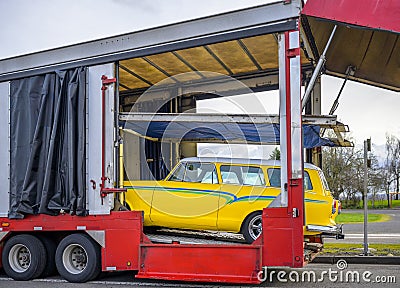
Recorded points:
(30,26)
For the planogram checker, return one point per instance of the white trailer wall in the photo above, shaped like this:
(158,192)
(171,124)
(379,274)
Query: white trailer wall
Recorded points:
(4,147)
(95,204)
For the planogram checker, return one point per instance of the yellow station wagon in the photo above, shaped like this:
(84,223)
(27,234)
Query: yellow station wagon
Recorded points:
(226,194)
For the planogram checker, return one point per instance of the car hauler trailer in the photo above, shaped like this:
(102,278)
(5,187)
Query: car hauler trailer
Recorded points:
(58,148)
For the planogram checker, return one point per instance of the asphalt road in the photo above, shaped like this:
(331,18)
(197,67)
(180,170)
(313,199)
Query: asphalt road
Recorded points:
(369,276)
(382,232)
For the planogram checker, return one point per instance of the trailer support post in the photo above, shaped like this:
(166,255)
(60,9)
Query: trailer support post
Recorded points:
(283,225)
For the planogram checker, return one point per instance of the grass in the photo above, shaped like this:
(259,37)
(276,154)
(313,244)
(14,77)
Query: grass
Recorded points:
(379,204)
(395,203)
(349,249)
(346,218)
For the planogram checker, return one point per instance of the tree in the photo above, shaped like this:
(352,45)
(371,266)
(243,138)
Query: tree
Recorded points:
(343,171)
(275,154)
(392,164)
(376,178)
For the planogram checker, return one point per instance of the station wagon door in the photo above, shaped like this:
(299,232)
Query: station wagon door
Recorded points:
(243,191)
(188,199)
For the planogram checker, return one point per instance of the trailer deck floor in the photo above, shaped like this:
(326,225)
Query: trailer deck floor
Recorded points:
(169,236)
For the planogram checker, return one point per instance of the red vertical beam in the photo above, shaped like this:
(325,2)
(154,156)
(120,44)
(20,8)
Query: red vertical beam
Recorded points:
(294,143)
(283,226)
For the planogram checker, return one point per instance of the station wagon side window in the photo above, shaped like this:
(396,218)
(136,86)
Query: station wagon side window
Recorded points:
(231,174)
(253,176)
(307,182)
(210,174)
(195,172)
(242,175)
(274,176)
(323,179)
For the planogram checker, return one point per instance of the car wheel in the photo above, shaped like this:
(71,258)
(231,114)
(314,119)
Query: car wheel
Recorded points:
(78,258)
(252,227)
(24,257)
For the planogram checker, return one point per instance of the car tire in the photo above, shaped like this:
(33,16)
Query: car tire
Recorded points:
(252,227)
(24,257)
(78,258)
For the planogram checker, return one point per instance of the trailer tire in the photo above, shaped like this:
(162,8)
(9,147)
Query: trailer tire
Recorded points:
(50,246)
(252,227)
(78,258)
(24,257)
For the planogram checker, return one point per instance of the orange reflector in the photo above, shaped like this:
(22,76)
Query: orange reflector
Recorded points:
(5,224)
(128,263)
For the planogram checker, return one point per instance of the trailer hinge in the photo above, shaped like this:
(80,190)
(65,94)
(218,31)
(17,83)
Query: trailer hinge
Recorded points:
(107,81)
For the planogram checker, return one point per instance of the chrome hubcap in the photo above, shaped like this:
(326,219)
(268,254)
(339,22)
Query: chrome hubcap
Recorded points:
(255,227)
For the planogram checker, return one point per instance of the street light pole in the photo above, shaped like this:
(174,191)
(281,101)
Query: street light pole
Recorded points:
(367,147)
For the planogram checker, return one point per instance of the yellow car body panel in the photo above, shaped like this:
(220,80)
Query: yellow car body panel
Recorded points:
(248,199)
(185,205)
(139,197)
(220,206)
(318,203)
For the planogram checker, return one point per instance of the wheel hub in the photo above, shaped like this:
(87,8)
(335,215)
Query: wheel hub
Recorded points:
(74,258)
(255,227)
(19,258)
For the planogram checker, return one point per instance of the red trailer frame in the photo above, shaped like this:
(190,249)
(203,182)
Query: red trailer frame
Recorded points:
(124,247)
(120,235)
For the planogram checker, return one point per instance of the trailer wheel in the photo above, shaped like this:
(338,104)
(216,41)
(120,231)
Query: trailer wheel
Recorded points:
(252,227)
(50,246)
(24,257)
(78,258)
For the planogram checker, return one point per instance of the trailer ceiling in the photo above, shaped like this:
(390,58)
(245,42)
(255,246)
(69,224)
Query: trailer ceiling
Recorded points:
(236,58)
(367,38)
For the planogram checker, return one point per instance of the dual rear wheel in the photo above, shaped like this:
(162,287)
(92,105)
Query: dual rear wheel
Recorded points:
(24,257)
(77,257)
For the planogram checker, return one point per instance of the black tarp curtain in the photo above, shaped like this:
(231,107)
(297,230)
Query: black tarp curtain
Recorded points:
(48,144)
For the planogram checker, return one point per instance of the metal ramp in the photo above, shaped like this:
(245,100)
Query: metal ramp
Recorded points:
(175,236)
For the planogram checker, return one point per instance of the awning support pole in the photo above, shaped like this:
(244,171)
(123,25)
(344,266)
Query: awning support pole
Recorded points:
(317,70)
(349,71)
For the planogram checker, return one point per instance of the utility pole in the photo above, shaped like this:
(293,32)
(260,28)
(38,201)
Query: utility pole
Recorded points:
(367,164)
